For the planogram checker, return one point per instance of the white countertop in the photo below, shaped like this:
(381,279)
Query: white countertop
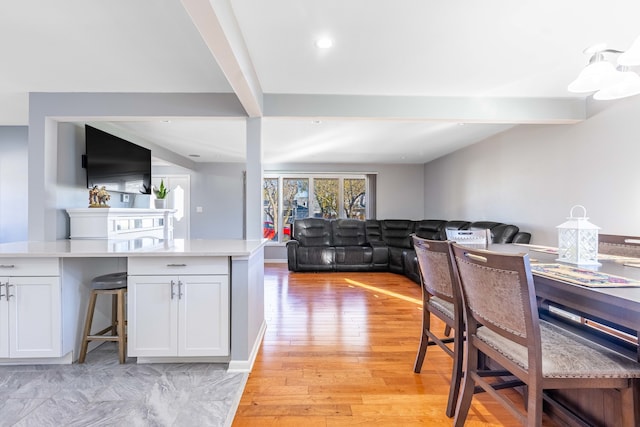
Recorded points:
(133,247)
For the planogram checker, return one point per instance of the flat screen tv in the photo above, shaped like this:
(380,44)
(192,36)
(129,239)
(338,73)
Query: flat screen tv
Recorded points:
(115,163)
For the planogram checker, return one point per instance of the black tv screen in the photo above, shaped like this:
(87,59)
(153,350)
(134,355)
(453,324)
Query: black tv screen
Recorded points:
(116,164)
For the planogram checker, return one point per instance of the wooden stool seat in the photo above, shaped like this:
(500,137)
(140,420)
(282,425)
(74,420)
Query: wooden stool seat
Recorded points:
(114,284)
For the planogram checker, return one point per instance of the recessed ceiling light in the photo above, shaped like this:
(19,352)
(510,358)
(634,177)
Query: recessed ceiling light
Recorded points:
(324,43)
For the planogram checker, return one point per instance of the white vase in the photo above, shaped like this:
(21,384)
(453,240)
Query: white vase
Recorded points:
(160,203)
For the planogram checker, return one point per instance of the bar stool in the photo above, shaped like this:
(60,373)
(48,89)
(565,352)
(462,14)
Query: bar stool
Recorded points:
(114,284)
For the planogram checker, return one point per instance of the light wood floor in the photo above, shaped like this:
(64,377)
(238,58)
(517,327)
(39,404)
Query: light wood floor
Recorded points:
(339,351)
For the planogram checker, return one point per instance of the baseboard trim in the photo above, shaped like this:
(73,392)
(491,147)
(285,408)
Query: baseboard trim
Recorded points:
(247,365)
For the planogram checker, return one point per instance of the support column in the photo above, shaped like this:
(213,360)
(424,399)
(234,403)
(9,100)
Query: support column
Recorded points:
(253,193)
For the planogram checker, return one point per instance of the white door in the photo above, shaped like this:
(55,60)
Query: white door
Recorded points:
(152,316)
(35,317)
(204,316)
(179,198)
(4,319)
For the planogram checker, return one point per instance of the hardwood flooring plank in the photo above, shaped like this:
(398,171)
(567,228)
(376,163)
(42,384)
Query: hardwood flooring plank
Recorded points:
(339,351)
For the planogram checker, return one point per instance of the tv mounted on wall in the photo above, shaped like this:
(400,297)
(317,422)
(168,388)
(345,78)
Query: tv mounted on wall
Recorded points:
(115,163)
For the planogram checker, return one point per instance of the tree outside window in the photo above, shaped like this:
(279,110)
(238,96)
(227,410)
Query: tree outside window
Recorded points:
(354,190)
(295,203)
(326,192)
(270,210)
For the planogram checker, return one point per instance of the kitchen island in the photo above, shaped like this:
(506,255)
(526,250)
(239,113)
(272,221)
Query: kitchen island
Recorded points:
(188,300)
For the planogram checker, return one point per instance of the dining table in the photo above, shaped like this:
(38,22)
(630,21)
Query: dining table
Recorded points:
(599,302)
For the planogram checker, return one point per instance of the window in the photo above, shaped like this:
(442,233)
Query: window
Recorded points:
(289,197)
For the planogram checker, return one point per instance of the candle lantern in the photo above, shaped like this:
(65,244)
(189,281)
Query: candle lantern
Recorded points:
(578,240)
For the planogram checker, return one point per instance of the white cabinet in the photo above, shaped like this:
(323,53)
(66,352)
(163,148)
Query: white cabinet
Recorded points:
(30,308)
(178,307)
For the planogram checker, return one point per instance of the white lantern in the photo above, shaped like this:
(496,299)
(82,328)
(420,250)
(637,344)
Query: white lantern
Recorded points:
(578,240)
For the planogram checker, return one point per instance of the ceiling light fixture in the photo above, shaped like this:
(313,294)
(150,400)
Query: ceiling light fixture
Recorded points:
(324,43)
(605,79)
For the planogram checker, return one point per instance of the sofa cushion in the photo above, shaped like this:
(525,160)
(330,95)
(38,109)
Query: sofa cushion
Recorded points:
(430,228)
(316,258)
(348,232)
(503,233)
(312,232)
(355,255)
(373,231)
(397,232)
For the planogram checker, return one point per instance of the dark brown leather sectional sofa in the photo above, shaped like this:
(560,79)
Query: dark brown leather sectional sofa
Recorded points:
(319,244)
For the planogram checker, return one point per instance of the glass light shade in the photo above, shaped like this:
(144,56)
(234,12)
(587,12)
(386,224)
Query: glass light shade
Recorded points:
(578,240)
(631,57)
(594,77)
(628,85)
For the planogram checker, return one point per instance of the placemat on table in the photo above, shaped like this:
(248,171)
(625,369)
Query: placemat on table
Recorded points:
(583,277)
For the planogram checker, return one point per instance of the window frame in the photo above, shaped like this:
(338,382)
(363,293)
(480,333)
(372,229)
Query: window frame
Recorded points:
(311,194)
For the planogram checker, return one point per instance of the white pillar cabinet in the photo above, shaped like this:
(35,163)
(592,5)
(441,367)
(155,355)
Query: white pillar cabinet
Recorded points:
(178,307)
(30,308)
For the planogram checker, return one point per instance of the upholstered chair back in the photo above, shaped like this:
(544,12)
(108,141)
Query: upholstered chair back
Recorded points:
(626,246)
(498,293)
(434,259)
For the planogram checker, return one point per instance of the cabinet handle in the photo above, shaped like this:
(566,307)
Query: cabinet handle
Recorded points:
(179,289)
(176,265)
(8,294)
(173,294)
(1,294)
(7,266)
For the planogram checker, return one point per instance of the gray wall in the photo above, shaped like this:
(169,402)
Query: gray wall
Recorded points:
(532,175)
(218,189)
(13,183)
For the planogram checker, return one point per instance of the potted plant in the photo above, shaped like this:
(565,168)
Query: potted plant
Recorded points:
(161,195)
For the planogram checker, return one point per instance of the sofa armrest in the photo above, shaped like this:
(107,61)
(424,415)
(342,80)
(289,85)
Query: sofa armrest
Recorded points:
(380,252)
(292,255)
(522,237)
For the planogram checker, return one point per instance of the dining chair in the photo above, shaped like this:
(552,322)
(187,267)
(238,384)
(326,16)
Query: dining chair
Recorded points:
(440,298)
(627,246)
(471,238)
(501,320)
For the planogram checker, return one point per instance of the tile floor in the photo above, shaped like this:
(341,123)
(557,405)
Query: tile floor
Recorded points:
(102,392)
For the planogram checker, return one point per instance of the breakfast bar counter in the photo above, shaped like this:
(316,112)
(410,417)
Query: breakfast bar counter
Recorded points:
(188,300)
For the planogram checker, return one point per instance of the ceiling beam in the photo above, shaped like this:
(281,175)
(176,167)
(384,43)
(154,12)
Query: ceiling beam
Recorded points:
(217,24)
(451,109)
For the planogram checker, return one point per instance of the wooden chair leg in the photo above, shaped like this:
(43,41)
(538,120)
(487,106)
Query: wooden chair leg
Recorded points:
(87,327)
(468,386)
(629,404)
(122,344)
(456,374)
(424,343)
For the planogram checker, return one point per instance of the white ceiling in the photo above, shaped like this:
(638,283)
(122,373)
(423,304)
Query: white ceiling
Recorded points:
(469,53)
